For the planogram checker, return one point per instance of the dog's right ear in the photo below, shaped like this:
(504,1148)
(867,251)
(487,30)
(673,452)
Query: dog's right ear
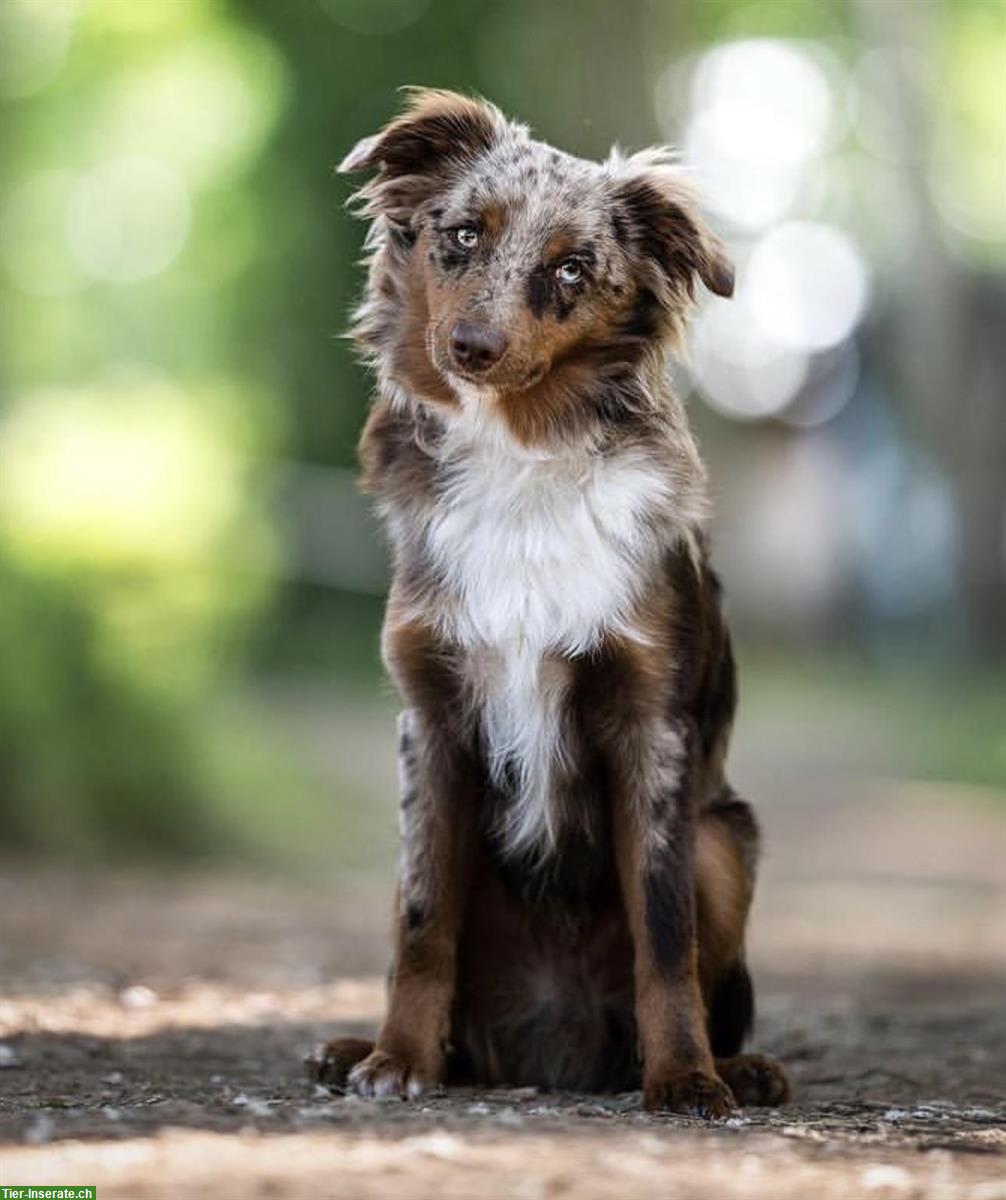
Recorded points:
(658,206)
(438,131)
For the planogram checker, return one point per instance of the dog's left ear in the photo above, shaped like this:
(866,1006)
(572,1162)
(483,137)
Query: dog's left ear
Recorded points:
(437,132)
(659,212)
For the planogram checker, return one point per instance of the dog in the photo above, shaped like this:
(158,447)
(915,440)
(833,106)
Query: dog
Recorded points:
(575,871)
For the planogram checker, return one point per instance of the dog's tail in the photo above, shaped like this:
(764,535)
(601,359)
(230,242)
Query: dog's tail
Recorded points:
(731,1010)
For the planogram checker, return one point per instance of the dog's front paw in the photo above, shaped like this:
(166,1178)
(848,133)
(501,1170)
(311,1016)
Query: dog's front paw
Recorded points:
(383,1074)
(690,1093)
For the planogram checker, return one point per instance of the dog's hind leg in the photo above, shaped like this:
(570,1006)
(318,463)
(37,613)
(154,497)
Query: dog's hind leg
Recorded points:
(726,850)
(726,856)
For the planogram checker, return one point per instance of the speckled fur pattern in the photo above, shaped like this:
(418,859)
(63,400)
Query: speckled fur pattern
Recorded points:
(575,871)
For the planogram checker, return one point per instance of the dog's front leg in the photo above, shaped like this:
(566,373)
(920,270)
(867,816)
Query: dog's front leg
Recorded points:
(654,819)
(436,783)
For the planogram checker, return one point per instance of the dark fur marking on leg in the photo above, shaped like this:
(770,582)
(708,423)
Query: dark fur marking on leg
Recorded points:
(731,1011)
(670,915)
(415,915)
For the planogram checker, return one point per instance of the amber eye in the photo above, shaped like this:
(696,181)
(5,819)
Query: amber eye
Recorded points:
(569,271)
(466,236)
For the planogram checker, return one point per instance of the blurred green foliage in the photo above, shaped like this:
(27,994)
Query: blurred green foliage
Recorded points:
(135,549)
(175,267)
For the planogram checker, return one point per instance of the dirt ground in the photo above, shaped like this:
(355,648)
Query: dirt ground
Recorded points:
(152,1028)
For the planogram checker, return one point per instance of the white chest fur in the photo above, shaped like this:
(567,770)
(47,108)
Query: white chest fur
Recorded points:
(541,557)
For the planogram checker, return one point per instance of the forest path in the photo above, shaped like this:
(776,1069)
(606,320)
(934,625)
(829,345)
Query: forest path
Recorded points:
(152,1027)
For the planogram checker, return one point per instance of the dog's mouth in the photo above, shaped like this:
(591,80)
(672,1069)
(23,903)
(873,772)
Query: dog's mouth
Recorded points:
(502,378)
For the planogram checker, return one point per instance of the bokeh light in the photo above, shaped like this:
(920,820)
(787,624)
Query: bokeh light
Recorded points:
(127,219)
(131,473)
(33,245)
(34,40)
(967,167)
(807,285)
(832,379)
(902,520)
(375,16)
(204,107)
(763,120)
(740,371)
(761,110)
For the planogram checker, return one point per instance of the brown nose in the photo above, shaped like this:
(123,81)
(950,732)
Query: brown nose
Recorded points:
(476,347)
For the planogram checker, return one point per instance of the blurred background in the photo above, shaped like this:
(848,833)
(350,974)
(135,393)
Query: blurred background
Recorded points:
(190,585)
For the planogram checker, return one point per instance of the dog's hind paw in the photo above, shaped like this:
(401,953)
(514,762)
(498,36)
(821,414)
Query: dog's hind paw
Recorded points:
(755,1080)
(330,1063)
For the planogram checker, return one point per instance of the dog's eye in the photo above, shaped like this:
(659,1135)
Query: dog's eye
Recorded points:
(466,236)
(569,271)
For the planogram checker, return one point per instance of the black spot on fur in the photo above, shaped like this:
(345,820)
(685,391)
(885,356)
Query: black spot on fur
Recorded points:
(707,666)
(718,698)
(669,896)
(538,291)
(731,1011)
(617,405)
(414,916)
(620,227)
(451,259)
(706,675)
(643,320)
(586,255)
(545,293)
(402,236)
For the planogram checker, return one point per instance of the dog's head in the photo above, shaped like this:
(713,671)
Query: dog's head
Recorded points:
(509,270)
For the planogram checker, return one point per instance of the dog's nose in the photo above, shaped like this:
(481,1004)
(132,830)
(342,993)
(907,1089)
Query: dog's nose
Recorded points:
(476,347)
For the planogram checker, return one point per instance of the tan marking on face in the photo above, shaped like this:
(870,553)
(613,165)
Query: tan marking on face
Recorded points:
(411,365)
(559,245)
(492,217)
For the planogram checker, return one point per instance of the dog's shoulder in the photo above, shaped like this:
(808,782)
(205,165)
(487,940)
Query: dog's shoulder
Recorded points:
(397,449)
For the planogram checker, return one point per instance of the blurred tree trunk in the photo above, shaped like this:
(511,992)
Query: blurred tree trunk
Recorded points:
(946,326)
